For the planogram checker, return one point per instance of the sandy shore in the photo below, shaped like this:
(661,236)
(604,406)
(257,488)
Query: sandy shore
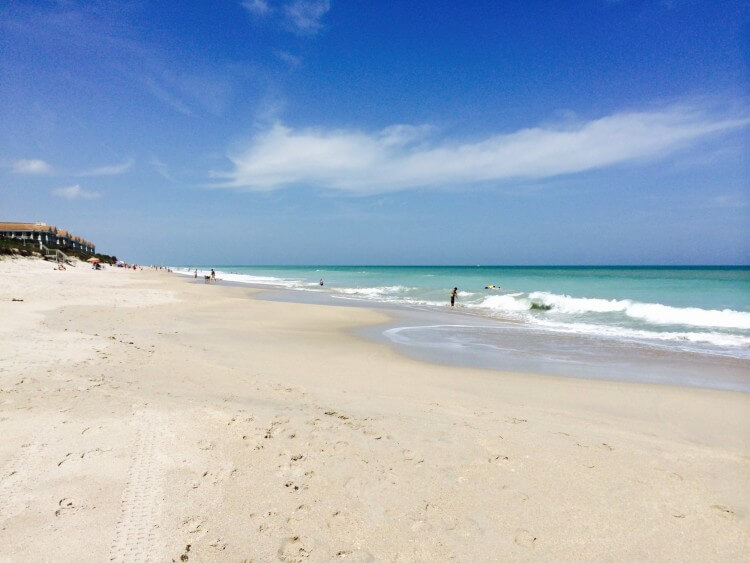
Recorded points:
(147,418)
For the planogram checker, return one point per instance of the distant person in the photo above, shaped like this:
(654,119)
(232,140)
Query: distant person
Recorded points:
(213,275)
(196,274)
(454,296)
(321,281)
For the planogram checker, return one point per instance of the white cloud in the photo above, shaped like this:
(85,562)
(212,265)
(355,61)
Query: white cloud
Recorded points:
(257,7)
(31,166)
(304,16)
(402,157)
(111,170)
(74,192)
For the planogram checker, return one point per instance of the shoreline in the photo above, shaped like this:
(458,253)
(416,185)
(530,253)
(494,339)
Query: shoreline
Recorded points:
(524,349)
(696,310)
(143,414)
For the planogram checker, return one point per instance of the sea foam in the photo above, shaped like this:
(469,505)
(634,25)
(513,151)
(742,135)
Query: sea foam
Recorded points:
(372,292)
(651,313)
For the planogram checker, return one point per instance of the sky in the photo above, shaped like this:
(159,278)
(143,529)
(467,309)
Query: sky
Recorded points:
(360,132)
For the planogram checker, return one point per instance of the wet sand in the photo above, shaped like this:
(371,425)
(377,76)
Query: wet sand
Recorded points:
(458,337)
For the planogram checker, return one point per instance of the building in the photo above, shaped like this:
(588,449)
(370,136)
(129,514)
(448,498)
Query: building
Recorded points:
(48,235)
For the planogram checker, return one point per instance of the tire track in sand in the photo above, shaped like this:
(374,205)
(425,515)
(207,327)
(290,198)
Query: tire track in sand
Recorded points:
(16,473)
(137,531)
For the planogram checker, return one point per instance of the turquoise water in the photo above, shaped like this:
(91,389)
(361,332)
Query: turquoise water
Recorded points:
(699,309)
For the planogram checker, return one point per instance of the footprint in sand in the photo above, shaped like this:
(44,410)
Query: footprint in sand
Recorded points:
(292,549)
(218,544)
(514,420)
(192,525)
(218,475)
(276,426)
(68,506)
(356,556)
(524,538)
(206,445)
(340,446)
(523,497)
(301,514)
(724,512)
(67,456)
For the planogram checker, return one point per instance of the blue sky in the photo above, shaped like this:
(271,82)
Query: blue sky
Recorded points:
(351,132)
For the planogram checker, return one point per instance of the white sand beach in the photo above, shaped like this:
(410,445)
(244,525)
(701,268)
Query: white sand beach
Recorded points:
(148,418)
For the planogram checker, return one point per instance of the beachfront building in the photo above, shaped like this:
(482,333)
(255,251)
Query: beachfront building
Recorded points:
(48,235)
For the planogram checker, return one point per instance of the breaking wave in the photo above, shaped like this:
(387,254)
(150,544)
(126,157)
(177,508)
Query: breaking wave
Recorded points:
(651,313)
(372,292)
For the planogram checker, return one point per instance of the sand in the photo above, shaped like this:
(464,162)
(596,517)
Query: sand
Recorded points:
(145,417)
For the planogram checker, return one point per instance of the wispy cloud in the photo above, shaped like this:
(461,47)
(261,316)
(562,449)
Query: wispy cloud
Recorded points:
(257,7)
(31,166)
(111,32)
(111,170)
(292,60)
(160,92)
(75,192)
(162,169)
(403,157)
(305,16)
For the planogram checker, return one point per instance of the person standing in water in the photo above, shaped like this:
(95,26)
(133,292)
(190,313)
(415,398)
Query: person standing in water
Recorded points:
(454,296)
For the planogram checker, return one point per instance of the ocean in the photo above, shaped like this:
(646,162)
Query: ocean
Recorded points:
(549,315)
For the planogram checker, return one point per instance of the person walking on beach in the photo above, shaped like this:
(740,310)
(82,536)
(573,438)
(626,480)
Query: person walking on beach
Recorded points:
(454,296)
(213,275)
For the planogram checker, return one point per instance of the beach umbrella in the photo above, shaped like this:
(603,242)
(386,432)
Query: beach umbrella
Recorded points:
(92,259)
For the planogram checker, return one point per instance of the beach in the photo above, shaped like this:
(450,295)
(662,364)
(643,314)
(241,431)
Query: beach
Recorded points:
(149,417)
